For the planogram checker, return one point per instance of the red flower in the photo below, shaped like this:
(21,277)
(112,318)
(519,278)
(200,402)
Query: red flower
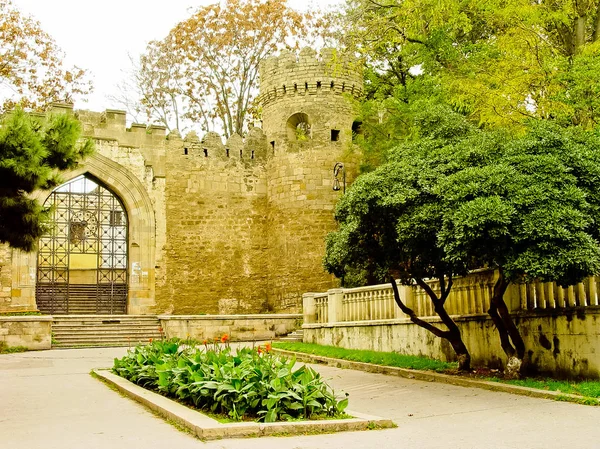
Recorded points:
(204,342)
(259,350)
(268,347)
(224,338)
(150,341)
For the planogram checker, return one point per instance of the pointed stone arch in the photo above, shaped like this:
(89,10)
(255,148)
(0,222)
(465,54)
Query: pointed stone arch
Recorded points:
(142,230)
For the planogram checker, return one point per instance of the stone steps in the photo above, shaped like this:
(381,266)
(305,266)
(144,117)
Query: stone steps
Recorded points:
(110,329)
(72,331)
(295,336)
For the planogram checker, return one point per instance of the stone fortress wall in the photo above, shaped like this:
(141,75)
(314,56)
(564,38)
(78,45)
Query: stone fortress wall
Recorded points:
(236,226)
(216,199)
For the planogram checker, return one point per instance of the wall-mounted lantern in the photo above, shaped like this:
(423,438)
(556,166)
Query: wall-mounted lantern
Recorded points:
(337,168)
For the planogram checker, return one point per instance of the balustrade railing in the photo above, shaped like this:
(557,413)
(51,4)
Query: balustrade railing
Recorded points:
(469,295)
(549,295)
(368,303)
(321,307)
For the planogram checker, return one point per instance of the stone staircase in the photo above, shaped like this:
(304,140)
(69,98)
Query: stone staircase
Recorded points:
(84,331)
(295,336)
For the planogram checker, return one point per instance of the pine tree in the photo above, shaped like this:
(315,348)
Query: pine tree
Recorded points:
(32,152)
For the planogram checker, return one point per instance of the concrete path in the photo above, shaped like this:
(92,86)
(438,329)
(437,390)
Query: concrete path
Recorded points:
(48,400)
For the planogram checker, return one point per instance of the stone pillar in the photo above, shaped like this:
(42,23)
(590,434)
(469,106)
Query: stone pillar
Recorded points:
(309,308)
(512,298)
(407,296)
(334,305)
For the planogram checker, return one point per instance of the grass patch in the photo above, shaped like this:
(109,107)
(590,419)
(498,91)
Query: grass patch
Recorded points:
(588,388)
(375,357)
(4,349)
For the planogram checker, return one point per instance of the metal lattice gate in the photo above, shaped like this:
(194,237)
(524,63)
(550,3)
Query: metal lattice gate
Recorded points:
(82,260)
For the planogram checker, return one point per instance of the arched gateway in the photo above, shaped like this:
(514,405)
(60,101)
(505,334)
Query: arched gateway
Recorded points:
(83,259)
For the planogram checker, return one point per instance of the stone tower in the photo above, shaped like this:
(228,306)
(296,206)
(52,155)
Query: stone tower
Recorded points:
(308,114)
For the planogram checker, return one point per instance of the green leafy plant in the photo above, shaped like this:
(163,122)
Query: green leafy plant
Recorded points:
(26,313)
(5,349)
(243,384)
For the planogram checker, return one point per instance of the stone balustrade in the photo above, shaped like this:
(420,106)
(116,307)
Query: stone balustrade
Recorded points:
(560,326)
(549,295)
(469,296)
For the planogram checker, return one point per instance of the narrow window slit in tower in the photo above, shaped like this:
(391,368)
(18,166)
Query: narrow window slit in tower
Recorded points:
(240,154)
(273,145)
(295,87)
(185,151)
(335,135)
(227,152)
(343,87)
(205,152)
(356,129)
(305,86)
(318,84)
(284,89)
(252,155)
(332,85)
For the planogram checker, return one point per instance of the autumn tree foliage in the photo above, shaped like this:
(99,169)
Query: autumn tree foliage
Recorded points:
(206,69)
(32,73)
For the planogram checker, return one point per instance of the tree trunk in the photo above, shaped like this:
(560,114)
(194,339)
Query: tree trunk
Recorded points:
(455,339)
(452,334)
(510,338)
(596,32)
(462,353)
(580,25)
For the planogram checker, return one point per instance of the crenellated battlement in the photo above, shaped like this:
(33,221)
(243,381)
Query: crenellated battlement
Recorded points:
(253,148)
(112,125)
(309,73)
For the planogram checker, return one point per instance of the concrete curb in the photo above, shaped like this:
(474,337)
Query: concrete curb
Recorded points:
(209,429)
(431,376)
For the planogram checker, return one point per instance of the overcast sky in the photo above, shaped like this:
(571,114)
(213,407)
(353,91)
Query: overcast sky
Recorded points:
(99,35)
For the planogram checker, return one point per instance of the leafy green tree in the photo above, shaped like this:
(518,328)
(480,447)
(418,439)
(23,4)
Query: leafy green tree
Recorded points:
(32,151)
(389,221)
(527,206)
(499,62)
(456,198)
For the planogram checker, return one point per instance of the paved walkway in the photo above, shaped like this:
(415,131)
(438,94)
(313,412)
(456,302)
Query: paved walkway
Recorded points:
(48,400)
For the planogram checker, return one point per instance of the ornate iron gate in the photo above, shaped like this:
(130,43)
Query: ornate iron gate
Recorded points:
(82,260)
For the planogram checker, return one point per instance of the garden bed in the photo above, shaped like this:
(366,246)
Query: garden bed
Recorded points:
(243,387)
(207,428)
